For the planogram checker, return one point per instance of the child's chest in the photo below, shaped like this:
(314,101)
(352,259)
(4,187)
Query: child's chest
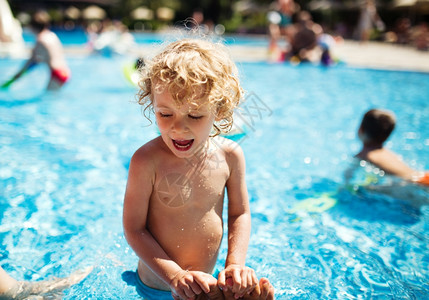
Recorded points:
(193,182)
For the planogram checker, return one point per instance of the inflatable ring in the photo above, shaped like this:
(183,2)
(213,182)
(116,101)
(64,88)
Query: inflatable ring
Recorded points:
(232,135)
(236,133)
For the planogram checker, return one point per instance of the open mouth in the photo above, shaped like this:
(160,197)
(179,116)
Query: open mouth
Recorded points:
(183,145)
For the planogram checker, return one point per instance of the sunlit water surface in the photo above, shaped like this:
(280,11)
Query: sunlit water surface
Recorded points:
(63,169)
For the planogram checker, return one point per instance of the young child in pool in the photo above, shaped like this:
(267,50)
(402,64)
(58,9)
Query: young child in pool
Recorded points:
(376,127)
(173,203)
(49,50)
(10,288)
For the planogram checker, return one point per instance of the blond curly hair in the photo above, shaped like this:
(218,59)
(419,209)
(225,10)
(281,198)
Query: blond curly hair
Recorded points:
(194,70)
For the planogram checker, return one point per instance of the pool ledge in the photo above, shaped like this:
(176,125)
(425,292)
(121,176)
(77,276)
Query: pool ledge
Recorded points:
(375,55)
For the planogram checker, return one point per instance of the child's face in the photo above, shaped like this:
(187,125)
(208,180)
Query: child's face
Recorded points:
(185,128)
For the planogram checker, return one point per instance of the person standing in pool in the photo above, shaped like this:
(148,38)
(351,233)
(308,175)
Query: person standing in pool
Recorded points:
(10,288)
(174,199)
(281,25)
(368,18)
(49,50)
(375,129)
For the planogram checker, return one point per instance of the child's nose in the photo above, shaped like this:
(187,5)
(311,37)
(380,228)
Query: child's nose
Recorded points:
(180,125)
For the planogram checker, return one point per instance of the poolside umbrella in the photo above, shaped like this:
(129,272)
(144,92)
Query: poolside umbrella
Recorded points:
(333,5)
(418,5)
(246,7)
(414,7)
(93,12)
(72,13)
(165,13)
(320,5)
(142,13)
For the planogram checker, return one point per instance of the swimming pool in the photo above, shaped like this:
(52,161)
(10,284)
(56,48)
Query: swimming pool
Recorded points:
(78,37)
(64,160)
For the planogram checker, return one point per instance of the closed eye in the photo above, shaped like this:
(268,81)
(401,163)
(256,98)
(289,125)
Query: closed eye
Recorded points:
(195,117)
(164,115)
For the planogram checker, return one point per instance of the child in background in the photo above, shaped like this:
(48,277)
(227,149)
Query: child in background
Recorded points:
(376,127)
(176,185)
(49,50)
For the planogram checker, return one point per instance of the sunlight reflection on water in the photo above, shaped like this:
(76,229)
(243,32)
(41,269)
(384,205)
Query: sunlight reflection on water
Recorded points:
(64,160)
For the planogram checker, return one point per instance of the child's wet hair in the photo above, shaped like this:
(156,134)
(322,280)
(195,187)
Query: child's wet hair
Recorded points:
(195,71)
(377,125)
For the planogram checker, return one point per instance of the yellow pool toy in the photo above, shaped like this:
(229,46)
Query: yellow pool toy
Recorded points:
(315,204)
(131,73)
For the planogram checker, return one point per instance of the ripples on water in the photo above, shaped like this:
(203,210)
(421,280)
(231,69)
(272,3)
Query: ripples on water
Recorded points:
(64,160)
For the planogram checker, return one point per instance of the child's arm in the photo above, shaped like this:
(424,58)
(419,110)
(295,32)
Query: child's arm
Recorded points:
(239,223)
(29,64)
(211,289)
(6,282)
(140,183)
(391,163)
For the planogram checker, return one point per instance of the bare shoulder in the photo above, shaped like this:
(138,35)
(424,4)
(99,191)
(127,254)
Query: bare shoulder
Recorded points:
(227,145)
(148,153)
(47,37)
(43,39)
(382,156)
(232,150)
(143,166)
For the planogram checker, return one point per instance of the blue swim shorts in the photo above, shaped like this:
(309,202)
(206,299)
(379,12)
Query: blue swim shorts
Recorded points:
(149,293)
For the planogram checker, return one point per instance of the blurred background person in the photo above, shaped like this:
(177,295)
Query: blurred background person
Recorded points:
(114,38)
(305,39)
(280,26)
(11,41)
(420,36)
(376,127)
(368,20)
(402,31)
(49,50)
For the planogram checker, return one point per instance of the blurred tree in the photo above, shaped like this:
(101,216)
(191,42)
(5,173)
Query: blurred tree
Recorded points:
(214,11)
(124,8)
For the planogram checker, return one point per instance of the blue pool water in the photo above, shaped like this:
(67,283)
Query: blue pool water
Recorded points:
(78,37)
(63,169)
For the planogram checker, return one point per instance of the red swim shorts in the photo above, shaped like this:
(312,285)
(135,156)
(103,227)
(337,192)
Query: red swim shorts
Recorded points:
(61,75)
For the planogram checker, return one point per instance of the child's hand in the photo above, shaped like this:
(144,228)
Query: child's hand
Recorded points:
(237,279)
(188,284)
